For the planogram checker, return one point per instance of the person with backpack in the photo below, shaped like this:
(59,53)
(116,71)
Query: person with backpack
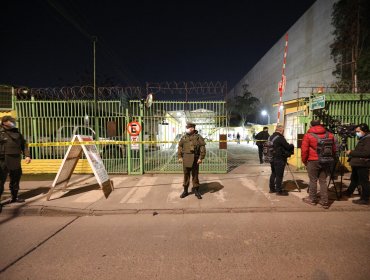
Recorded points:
(360,164)
(261,138)
(318,155)
(279,151)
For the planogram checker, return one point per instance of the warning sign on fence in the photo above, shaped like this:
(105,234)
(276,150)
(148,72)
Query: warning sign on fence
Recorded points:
(134,128)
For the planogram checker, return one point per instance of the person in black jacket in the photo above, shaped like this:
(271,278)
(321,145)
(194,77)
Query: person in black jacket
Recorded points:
(261,138)
(12,146)
(282,150)
(360,163)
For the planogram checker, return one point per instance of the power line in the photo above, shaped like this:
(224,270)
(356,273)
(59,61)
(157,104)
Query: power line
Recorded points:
(70,15)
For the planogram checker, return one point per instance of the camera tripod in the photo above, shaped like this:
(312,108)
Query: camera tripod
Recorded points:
(295,181)
(340,160)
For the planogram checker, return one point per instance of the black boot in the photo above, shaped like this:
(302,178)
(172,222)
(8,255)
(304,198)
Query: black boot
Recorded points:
(197,193)
(15,197)
(185,193)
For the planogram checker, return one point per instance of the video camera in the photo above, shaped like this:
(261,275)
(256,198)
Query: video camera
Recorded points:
(347,130)
(343,130)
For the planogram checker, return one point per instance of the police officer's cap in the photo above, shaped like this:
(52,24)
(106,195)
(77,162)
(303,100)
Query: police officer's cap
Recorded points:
(190,124)
(7,118)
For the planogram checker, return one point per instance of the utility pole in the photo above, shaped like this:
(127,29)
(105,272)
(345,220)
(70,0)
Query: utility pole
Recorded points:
(282,83)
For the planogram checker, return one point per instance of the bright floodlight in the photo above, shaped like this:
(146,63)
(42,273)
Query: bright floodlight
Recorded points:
(264,113)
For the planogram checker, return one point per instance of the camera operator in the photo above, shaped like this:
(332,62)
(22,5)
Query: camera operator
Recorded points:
(317,169)
(281,151)
(359,159)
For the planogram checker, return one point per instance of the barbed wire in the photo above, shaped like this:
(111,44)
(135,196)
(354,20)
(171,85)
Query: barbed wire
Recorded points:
(162,91)
(81,93)
(191,91)
(335,87)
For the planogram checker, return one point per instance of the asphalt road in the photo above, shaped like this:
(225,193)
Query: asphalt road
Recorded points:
(305,245)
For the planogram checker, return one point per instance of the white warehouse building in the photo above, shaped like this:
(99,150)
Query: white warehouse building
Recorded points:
(308,63)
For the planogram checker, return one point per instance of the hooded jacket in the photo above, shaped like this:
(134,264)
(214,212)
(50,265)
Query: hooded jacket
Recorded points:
(309,143)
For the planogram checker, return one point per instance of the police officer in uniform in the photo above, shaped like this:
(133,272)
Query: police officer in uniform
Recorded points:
(12,146)
(191,152)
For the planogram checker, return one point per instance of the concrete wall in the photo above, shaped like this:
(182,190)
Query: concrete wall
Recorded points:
(308,59)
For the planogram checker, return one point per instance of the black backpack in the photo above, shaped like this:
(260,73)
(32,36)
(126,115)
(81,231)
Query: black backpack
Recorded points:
(268,149)
(324,148)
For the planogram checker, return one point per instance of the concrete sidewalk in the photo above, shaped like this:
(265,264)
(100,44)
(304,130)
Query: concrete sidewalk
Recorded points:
(244,189)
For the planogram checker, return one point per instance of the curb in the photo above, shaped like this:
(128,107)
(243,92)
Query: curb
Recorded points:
(52,211)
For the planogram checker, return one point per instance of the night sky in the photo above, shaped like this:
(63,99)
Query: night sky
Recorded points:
(48,43)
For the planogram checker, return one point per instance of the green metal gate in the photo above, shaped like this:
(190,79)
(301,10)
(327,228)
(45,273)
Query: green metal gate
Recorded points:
(44,121)
(163,125)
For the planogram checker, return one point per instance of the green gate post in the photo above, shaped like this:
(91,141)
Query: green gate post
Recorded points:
(141,138)
(129,145)
(34,126)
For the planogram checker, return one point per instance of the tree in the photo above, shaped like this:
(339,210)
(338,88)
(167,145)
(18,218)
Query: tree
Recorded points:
(245,105)
(351,47)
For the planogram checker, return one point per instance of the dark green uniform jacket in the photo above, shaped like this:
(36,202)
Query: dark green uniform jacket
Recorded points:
(12,146)
(191,148)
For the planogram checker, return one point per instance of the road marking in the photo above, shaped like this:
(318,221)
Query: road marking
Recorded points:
(118,180)
(176,190)
(250,184)
(128,195)
(137,194)
(90,196)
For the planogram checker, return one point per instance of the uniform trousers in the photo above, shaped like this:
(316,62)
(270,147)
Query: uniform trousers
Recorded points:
(15,177)
(194,171)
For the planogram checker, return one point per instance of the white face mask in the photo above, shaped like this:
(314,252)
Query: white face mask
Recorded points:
(359,134)
(188,130)
(10,124)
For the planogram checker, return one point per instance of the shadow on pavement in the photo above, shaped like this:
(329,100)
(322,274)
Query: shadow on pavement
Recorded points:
(71,192)
(210,187)
(289,185)
(34,192)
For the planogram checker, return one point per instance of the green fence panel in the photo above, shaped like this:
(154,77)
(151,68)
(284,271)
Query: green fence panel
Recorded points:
(57,121)
(44,121)
(347,109)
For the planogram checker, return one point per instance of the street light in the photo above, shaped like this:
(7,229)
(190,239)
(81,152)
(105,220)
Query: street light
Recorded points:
(265,113)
